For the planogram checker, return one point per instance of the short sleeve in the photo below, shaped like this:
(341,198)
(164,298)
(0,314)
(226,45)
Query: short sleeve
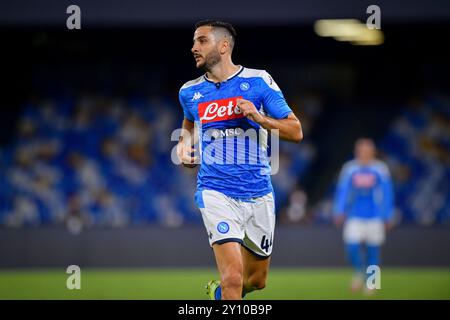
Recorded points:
(187,113)
(273,100)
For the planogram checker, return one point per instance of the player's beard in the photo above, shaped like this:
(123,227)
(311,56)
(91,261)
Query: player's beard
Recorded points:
(211,60)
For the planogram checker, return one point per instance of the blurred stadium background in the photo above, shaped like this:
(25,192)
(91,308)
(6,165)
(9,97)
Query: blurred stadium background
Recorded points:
(86,116)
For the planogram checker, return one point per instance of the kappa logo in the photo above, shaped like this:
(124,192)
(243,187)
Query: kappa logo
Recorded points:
(197,96)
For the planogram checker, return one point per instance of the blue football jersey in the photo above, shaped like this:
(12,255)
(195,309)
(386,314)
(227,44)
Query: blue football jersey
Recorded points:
(233,149)
(364,191)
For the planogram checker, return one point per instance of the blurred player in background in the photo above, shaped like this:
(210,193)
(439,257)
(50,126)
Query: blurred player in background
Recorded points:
(235,198)
(364,205)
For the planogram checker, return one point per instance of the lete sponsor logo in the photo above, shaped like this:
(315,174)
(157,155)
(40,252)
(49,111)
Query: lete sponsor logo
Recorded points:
(219,110)
(364,180)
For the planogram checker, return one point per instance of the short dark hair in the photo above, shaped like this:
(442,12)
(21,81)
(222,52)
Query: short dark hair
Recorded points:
(218,24)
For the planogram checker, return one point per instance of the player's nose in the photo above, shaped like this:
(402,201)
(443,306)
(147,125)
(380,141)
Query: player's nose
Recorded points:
(194,48)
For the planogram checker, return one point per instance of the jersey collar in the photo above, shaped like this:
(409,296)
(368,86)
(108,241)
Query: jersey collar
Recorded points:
(229,78)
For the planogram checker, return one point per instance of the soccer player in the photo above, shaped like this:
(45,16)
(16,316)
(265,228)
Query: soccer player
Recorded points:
(364,206)
(228,105)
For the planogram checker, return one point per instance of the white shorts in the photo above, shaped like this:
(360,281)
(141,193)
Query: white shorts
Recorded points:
(250,222)
(370,231)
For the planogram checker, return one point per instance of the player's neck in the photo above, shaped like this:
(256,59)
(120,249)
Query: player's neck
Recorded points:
(222,71)
(365,162)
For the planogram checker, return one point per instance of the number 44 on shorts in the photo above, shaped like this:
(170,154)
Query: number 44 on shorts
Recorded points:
(266,243)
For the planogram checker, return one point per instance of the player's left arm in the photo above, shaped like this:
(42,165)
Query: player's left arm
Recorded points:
(288,128)
(387,204)
(341,195)
(277,114)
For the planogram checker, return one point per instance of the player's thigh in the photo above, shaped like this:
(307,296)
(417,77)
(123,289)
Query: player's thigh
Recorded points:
(376,233)
(354,231)
(221,216)
(260,227)
(254,266)
(228,258)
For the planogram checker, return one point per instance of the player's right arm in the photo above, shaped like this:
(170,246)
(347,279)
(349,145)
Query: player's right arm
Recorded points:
(186,142)
(185,145)
(341,195)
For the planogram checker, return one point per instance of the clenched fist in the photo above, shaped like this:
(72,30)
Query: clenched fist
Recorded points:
(184,154)
(249,110)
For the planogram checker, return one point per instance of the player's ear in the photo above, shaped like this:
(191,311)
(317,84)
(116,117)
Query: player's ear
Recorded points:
(224,46)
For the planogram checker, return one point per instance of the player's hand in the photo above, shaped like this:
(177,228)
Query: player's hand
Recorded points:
(184,154)
(388,225)
(249,110)
(339,220)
